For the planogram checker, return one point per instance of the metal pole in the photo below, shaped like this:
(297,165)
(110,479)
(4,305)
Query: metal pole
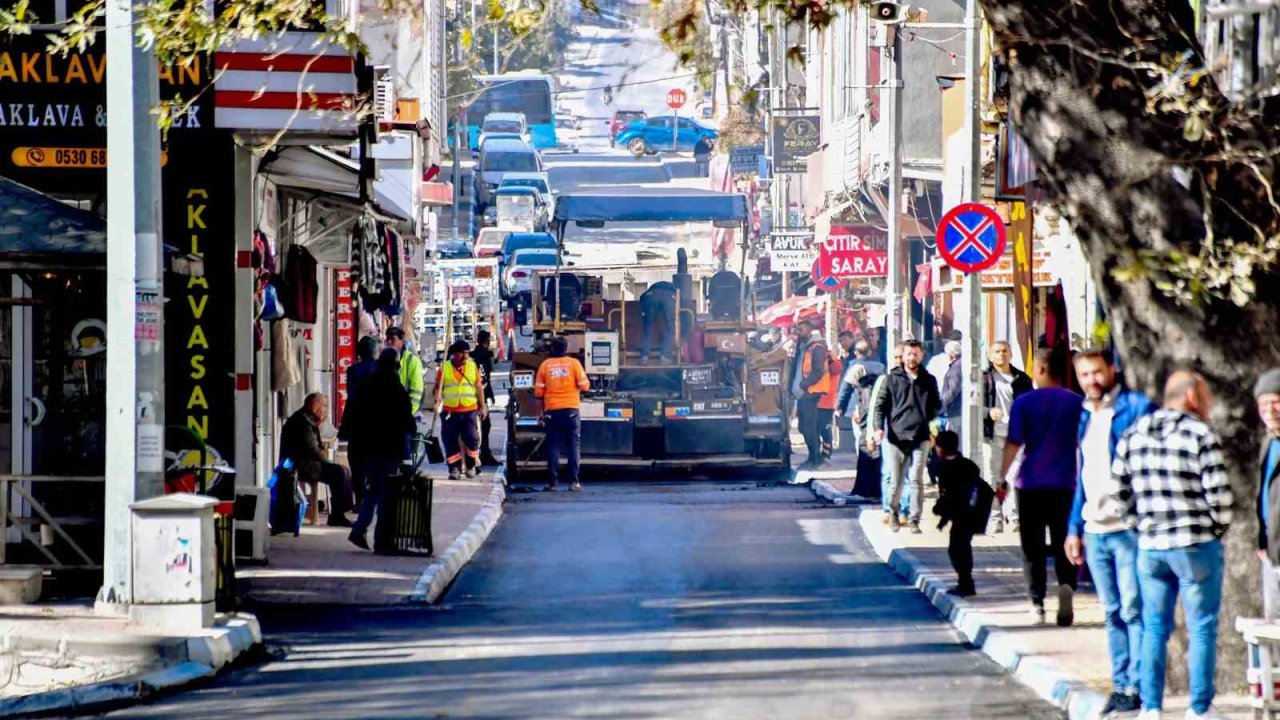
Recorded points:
(457,171)
(893,313)
(972,192)
(135,328)
(495,47)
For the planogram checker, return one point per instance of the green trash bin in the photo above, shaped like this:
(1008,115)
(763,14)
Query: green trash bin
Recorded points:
(404,521)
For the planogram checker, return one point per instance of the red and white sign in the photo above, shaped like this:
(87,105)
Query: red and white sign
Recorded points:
(971,237)
(854,251)
(823,280)
(294,80)
(344,334)
(676,98)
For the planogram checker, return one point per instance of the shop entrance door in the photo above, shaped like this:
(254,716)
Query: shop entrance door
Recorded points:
(52,414)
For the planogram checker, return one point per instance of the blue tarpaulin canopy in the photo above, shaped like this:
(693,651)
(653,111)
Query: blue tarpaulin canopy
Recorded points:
(666,204)
(35,225)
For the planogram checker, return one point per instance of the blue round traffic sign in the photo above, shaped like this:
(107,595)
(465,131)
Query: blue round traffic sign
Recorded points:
(971,237)
(824,280)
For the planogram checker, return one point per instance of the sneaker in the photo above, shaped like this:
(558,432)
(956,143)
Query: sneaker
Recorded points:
(1066,614)
(576,487)
(886,517)
(1150,715)
(1121,704)
(473,471)
(550,487)
(999,528)
(963,591)
(894,524)
(1037,614)
(915,527)
(454,474)
(1210,714)
(358,539)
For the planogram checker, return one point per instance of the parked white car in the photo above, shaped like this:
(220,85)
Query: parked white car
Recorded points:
(518,276)
(504,122)
(567,127)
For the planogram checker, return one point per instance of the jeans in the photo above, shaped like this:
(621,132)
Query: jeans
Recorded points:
(1194,574)
(1044,509)
(886,490)
(992,459)
(1270,590)
(379,471)
(1113,563)
(337,478)
(906,466)
(359,473)
(564,430)
(653,306)
(807,415)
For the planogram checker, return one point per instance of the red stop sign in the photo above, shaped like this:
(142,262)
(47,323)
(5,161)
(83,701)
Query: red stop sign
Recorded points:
(675,98)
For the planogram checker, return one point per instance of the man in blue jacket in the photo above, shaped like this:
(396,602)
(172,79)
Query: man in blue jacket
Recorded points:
(1099,531)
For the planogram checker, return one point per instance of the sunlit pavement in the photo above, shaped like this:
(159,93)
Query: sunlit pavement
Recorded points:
(636,601)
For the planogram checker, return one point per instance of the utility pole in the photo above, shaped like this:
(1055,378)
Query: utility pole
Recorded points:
(135,321)
(894,283)
(971,415)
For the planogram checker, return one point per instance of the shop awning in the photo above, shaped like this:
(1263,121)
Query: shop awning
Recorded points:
(634,204)
(39,232)
(324,171)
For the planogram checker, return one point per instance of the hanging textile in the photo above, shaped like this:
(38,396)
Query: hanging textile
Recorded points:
(394,278)
(300,272)
(369,258)
(285,372)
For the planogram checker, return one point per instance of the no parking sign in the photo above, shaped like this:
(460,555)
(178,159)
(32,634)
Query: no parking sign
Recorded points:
(971,237)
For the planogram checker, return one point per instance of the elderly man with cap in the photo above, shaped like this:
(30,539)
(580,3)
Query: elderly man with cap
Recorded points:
(459,393)
(1267,393)
(410,367)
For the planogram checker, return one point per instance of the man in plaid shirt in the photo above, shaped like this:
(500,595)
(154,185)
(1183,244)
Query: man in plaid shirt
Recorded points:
(1169,475)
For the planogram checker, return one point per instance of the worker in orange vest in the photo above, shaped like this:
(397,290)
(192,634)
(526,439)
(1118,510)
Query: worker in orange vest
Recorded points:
(810,381)
(459,394)
(827,404)
(559,383)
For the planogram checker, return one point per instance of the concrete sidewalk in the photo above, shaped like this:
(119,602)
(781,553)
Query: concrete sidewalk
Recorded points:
(320,566)
(63,658)
(1067,666)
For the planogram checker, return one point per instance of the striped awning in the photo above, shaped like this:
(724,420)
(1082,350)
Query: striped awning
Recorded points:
(293,81)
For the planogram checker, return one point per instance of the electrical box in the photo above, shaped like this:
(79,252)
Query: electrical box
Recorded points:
(600,352)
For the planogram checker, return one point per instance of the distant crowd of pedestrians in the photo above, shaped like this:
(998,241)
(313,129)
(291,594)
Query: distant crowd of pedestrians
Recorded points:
(1136,490)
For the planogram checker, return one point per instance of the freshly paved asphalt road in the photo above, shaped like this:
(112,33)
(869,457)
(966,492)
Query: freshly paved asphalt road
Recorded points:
(635,601)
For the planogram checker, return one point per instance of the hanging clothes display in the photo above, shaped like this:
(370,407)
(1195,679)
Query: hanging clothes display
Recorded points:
(285,372)
(300,274)
(369,260)
(395,279)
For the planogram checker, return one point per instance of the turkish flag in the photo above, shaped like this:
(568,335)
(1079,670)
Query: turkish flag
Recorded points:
(924,282)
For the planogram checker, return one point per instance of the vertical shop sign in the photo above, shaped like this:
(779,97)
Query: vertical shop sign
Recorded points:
(1023,277)
(344,338)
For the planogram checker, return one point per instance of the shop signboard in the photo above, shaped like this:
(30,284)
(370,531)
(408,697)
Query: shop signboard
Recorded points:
(53,138)
(745,159)
(791,250)
(851,251)
(794,138)
(344,338)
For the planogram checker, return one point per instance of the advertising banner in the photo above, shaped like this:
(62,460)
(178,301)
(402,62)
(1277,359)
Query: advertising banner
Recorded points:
(791,250)
(794,138)
(854,251)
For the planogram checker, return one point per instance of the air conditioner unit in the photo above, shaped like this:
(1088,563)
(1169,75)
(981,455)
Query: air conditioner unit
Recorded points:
(252,509)
(384,95)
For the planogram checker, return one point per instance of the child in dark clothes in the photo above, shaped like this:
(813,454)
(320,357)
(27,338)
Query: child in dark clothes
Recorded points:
(962,495)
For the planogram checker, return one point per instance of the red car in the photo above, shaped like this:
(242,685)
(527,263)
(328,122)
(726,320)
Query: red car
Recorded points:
(622,118)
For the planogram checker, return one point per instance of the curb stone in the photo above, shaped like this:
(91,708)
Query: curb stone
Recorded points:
(223,643)
(1042,676)
(431,585)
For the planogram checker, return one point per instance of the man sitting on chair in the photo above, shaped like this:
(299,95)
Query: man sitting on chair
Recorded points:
(300,441)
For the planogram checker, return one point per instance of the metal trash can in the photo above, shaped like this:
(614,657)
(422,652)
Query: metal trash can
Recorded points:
(404,522)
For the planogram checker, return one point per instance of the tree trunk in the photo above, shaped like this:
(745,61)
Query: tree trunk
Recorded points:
(1131,183)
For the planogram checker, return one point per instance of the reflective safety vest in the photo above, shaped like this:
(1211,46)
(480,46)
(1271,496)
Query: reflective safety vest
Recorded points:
(824,383)
(458,389)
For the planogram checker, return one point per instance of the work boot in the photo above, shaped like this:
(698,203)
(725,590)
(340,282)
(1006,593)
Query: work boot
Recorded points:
(1066,613)
(962,590)
(455,473)
(575,487)
(358,539)
(915,527)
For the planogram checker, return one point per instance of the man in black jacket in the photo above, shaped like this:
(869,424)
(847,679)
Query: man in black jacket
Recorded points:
(483,355)
(1267,393)
(300,442)
(1002,383)
(910,402)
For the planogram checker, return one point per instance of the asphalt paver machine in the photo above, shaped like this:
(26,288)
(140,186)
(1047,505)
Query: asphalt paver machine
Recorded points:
(719,404)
